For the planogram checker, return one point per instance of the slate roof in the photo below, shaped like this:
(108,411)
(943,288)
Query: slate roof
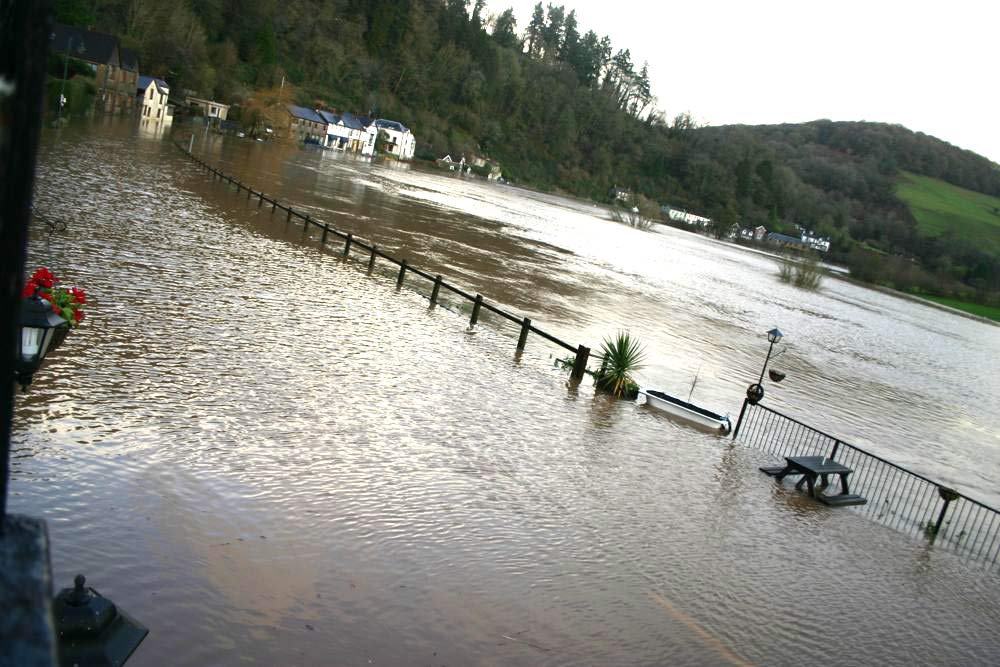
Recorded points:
(129,59)
(305,114)
(352,121)
(329,117)
(144,82)
(774,236)
(96,46)
(384,124)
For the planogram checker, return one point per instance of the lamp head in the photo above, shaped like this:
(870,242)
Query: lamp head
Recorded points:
(774,335)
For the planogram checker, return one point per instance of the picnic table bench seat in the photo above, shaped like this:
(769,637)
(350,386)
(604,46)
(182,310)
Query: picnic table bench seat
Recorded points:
(813,467)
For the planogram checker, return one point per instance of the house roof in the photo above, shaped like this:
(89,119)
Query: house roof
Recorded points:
(384,124)
(352,121)
(305,114)
(774,236)
(95,47)
(129,59)
(144,81)
(329,117)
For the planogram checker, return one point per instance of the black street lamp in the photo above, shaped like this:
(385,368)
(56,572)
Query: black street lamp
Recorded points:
(755,392)
(37,324)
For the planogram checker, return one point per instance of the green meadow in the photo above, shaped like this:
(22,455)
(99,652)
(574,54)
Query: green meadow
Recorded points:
(940,208)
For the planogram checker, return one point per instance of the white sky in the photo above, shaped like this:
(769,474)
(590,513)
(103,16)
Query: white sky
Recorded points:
(931,67)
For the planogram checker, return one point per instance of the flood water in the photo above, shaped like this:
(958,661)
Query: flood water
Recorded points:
(271,458)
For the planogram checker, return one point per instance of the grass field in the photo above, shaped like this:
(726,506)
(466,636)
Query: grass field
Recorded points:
(988,312)
(940,207)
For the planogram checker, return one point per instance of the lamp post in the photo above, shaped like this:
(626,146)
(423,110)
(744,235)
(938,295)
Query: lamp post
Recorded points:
(62,87)
(755,392)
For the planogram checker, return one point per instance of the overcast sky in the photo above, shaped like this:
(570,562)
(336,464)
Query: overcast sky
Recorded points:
(932,67)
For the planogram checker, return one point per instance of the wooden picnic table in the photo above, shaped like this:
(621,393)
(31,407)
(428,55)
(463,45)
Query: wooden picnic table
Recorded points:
(813,467)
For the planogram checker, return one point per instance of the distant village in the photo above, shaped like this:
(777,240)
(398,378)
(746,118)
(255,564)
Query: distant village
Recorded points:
(122,89)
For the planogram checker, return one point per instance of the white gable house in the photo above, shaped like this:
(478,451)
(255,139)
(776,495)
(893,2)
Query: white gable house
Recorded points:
(152,95)
(400,142)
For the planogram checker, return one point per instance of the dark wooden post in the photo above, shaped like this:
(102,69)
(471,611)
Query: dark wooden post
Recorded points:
(322,241)
(347,245)
(260,200)
(522,340)
(249,193)
(305,223)
(239,186)
(274,205)
(24,37)
(476,305)
(580,363)
(371,261)
(437,288)
(402,272)
(288,218)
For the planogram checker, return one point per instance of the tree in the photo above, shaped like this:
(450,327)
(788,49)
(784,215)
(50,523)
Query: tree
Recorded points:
(505,29)
(534,35)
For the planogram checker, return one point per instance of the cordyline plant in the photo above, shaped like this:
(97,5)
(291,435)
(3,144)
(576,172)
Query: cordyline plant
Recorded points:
(623,355)
(67,303)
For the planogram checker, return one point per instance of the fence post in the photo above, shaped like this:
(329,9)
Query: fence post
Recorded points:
(580,363)
(522,340)
(191,144)
(437,288)
(288,218)
(371,262)
(347,245)
(239,186)
(249,193)
(274,205)
(305,223)
(402,272)
(260,200)
(739,422)
(322,241)
(476,305)
(947,495)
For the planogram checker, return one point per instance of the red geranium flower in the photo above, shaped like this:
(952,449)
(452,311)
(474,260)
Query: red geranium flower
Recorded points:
(78,295)
(44,277)
(77,315)
(29,289)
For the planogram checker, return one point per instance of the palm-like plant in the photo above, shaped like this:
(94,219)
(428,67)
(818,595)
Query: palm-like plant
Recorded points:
(623,355)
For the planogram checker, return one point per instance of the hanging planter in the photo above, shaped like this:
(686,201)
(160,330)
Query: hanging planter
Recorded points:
(67,303)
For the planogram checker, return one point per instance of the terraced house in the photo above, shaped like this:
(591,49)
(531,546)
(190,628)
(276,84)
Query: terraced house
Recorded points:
(115,69)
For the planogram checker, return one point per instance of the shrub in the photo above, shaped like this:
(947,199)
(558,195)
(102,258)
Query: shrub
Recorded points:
(622,356)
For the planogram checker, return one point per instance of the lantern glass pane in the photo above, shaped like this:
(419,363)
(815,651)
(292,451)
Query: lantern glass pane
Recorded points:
(31,343)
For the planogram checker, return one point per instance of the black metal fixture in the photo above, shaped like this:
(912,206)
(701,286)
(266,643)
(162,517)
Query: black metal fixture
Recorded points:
(37,326)
(91,630)
(755,392)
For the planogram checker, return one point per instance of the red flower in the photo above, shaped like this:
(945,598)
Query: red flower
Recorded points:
(29,289)
(77,315)
(78,295)
(56,309)
(43,277)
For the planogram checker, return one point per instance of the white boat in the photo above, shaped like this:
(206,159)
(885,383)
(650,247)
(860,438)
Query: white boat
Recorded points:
(685,410)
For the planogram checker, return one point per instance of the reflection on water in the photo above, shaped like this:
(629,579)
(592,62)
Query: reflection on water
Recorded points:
(270,458)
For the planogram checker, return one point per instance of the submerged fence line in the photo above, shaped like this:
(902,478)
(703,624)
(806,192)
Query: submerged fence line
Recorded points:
(581,352)
(897,497)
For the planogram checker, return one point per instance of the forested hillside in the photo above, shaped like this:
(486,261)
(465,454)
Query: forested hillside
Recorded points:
(561,109)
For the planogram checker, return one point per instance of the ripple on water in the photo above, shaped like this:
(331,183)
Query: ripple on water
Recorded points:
(270,458)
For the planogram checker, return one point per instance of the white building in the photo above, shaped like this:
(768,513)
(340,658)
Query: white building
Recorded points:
(400,142)
(209,108)
(347,132)
(152,95)
(685,217)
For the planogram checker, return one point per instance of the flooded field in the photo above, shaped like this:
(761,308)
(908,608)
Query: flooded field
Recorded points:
(271,458)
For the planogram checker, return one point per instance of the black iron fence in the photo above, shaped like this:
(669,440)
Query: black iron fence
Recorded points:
(356,245)
(897,497)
